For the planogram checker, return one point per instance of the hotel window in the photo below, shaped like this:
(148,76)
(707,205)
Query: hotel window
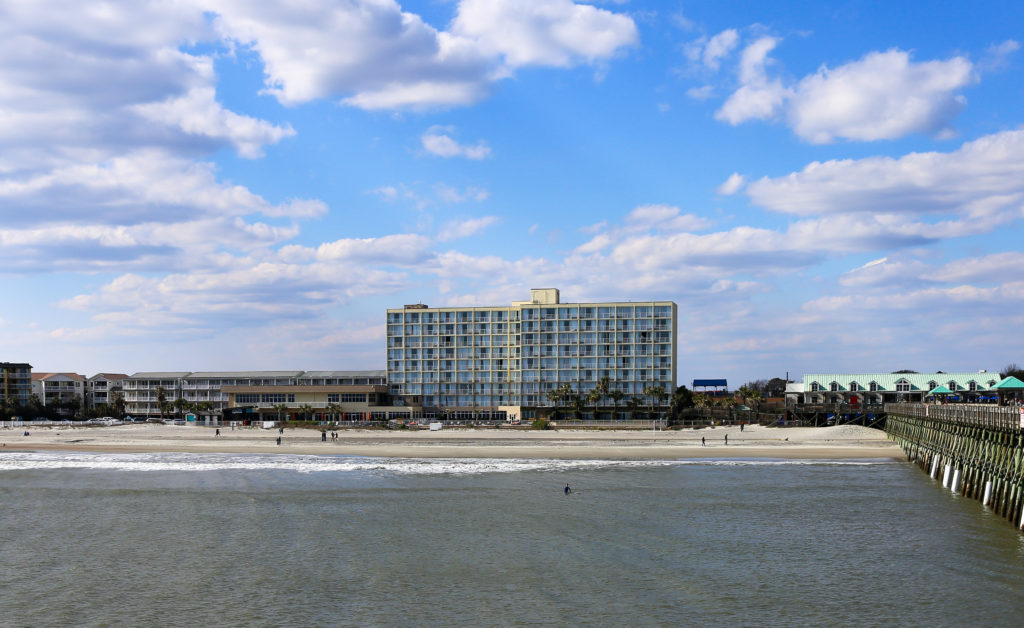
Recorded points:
(873,386)
(834,387)
(247,398)
(903,386)
(353,397)
(952,385)
(815,386)
(333,397)
(854,387)
(932,385)
(972,385)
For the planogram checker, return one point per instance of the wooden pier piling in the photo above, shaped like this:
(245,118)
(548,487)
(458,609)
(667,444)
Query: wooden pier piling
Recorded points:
(982,445)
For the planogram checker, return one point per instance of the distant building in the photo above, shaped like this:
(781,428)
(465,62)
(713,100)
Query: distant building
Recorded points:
(505,360)
(717,386)
(15,382)
(259,394)
(103,388)
(60,389)
(878,388)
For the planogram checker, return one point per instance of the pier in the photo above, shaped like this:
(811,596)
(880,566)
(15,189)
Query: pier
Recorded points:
(976,450)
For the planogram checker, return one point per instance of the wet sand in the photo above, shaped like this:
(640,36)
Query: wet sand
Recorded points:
(838,442)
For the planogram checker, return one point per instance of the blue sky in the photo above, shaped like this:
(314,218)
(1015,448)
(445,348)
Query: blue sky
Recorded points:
(209,185)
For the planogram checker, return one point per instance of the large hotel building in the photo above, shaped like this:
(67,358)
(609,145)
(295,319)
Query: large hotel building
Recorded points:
(506,359)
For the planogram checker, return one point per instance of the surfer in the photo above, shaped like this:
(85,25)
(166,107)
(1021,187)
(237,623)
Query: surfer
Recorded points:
(567,489)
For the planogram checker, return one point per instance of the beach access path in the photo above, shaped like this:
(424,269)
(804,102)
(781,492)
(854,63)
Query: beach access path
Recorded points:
(836,442)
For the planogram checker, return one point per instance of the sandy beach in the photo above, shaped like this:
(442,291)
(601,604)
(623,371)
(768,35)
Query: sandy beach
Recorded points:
(838,442)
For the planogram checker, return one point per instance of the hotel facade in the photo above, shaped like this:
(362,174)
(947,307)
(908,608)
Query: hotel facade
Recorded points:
(505,360)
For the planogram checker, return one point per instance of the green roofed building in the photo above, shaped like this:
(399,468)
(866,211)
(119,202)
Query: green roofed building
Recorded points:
(878,388)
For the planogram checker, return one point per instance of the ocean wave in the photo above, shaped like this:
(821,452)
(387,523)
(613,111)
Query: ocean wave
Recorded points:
(201,462)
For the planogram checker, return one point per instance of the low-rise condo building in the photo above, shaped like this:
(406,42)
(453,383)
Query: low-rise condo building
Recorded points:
(511,359)
(258,395)
(64,390)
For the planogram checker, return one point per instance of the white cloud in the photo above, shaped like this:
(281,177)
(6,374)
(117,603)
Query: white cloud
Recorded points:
(377,56)
(758,97)
(719,47)
(663,218)
(731,185)
(882,96)
(449,194)
(437,141)
(983,180)
(556,33)
(197,113)
(464,228)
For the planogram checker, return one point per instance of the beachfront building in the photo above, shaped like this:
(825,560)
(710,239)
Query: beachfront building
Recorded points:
(66,391)
(878,388)
(259,395)
(507,360)
(15,383)
(103,388)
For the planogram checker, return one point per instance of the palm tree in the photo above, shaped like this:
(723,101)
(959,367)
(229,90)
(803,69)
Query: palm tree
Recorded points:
(281,409)
(180,405)
(600,391)
(577,402)
(593,397)
(656,395)
(306,411)
(334,410)
(617,397)
(161,401)
(632,405)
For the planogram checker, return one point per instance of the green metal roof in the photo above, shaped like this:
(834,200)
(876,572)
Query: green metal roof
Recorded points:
(941,390)
(1010,383)
(919,382)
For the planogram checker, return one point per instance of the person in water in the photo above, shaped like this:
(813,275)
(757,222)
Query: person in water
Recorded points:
(567,489)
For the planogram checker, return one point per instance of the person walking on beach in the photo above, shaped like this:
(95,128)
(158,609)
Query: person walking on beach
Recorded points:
(726,439)
(567,489)
(703,443)
(278,440)
(323,437)
(217,433)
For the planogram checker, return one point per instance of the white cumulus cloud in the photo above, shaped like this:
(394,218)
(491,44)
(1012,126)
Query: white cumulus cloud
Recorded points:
(438,141)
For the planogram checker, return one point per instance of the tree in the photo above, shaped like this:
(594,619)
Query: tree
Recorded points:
(306,411)
(617,397)
(656,395)
(632,405)
(281,409)
(599,392)
(577,402)
(682,399)
(161,401)
(334,410)
(702,400)
(1012,370)
(180,405)
(119,405)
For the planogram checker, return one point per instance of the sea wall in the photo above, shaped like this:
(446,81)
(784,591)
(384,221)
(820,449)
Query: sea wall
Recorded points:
(976,451)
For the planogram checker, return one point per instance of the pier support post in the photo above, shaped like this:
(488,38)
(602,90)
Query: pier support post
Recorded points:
(935,467)
(945,476)
(988,493)
(956,480)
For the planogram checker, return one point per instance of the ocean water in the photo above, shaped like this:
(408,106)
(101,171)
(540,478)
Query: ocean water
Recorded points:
(284,540)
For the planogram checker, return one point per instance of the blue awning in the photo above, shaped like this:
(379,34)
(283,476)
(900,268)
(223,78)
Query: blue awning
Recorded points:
(708,383)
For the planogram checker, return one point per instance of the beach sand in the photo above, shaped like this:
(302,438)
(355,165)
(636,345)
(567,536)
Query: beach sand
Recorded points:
(838,442)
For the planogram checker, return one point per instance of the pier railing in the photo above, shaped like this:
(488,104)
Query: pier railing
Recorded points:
(980,415)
